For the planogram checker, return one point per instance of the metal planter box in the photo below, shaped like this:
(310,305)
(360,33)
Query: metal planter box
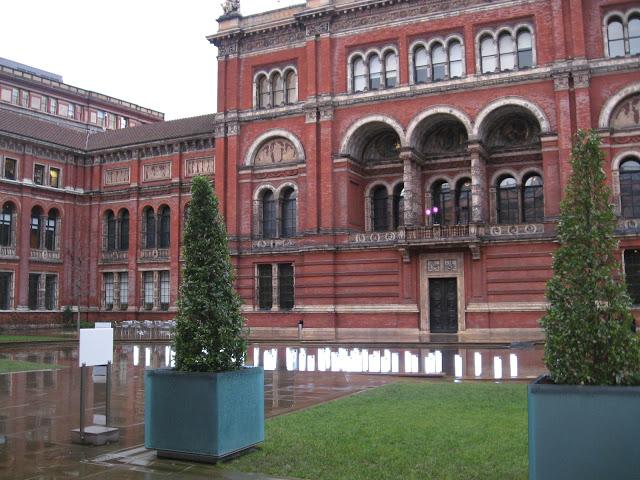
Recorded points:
(583,432)
(203,416)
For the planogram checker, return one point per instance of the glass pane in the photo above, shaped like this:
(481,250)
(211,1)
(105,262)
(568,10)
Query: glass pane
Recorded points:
(630,166)
(375,72)
(288,226)
(455,51)
(616,48)
(438,54)
(278,91)
(359,76)
(524,40)
(525,59)
(268,216)
(632,274)
(421,75)
(615,30)
(124,288)
(634,46)
(439,72)
(508,182)
(286,286)
(380,210)
(5,291)
(421,59)
(634,27)
(488,47)
(292,88)
(455,69)
(489,59)
(391,65)
(265,287)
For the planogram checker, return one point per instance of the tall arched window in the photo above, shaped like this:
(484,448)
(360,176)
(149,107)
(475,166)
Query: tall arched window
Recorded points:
(455,59)
(263,92)
(380,209)
(268,215)
(390,70)
(375,72)
(277,87)
(615,34)
(488,54)
(533,199)
(359,75)
(164,230)
(35,235)
(6,224)
(443,202)
(507,193)
(525,49)
(634,35)
(420,65)
(292,87)
(288,217)
(438,62)
(123,239)
(50,241)
(149,228)
(507,52)
(110,226)
(398,206)
(630,188)
(463,202)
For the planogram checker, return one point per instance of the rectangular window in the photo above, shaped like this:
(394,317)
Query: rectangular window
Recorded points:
(123,122)
(72,111)
(15,96)
(147,282)
(164,290)
(24,98)
(286,286)
(265,287)
(38,174)
(5,94)
(10,167)
(93,116)
(111,121)
(124,290)
(101,118)
(632,274)
(50,292)
(54,177)
(108,291)
(34,282)
(45,104)
(5,290)
(63,109)
(53,106)
(36,102)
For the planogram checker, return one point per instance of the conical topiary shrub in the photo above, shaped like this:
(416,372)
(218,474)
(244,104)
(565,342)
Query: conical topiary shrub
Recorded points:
(209,323)
(589,338)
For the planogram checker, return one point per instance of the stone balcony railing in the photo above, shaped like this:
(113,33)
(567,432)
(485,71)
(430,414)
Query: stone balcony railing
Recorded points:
(45,255)
(115,256)
(154,254)
(7,251)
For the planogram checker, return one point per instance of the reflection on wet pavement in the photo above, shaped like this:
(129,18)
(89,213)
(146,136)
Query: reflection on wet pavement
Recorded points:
(39,409)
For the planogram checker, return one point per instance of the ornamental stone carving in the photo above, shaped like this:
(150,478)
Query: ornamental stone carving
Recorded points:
(627,114)
(116,176)
(231,6)
(433,265)
(199,166)
(451,265)
(157,171)
(275,152)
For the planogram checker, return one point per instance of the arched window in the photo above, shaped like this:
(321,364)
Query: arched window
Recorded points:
(292,87)
(380,209)
(634,35)
(398,206)
(507,52)
(420,65)
(124,230)
(164,230)
(507,193)
(525,49)
(110,227)
(149,228)
(262,92)
(443,207)
(51,230)
(35,235)
(6,224)
(455,59)
(391,70)
(268,215)
(359,75)
(288,217)
(463,202)
(615,34)
(533,200)
(488,54)
(630,188)
(375,72)
(277,87)
(438,62)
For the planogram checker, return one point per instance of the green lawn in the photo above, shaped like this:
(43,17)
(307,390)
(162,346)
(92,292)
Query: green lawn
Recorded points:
(401,431)
(28,338)
(11,366)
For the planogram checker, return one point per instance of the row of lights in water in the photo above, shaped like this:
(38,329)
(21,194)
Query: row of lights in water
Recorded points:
(353,361)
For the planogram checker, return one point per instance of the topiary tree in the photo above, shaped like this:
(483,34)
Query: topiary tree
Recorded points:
(588,326)
(209,324)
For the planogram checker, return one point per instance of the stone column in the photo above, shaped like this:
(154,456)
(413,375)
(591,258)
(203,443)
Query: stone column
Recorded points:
(275,288)
(478,183)
(156,290)
(412,188)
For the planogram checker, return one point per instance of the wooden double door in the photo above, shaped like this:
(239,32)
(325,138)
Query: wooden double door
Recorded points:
(443,305)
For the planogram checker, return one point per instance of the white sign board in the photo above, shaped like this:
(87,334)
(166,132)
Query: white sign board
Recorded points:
(103,325)
(96,346)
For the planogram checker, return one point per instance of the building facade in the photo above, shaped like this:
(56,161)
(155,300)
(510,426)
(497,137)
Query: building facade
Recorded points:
(385,168)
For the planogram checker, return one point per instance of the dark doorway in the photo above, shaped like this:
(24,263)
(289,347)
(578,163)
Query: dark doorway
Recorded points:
(443,305)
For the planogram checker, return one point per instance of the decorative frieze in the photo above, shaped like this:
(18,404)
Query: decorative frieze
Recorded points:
(317,28)
(117,176)
(272,244)
(157,171)
(199,166)
(378,237)
(510,230)
(275,152)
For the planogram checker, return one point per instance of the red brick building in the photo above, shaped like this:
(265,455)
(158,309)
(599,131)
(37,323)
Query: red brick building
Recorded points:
(384,168)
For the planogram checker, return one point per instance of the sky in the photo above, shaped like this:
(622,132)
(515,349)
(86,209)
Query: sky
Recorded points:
(149,52)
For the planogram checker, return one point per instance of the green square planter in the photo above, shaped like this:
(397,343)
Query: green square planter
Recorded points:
(203,416)
(583,432)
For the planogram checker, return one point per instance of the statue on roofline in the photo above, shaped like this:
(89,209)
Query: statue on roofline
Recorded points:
(231,6)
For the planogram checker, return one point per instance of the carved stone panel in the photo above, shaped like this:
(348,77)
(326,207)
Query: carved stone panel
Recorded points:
(116,176)
(627,114)
(199,166)
(157,171)
(275,152)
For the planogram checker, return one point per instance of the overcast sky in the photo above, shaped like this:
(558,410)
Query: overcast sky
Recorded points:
(149,52)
